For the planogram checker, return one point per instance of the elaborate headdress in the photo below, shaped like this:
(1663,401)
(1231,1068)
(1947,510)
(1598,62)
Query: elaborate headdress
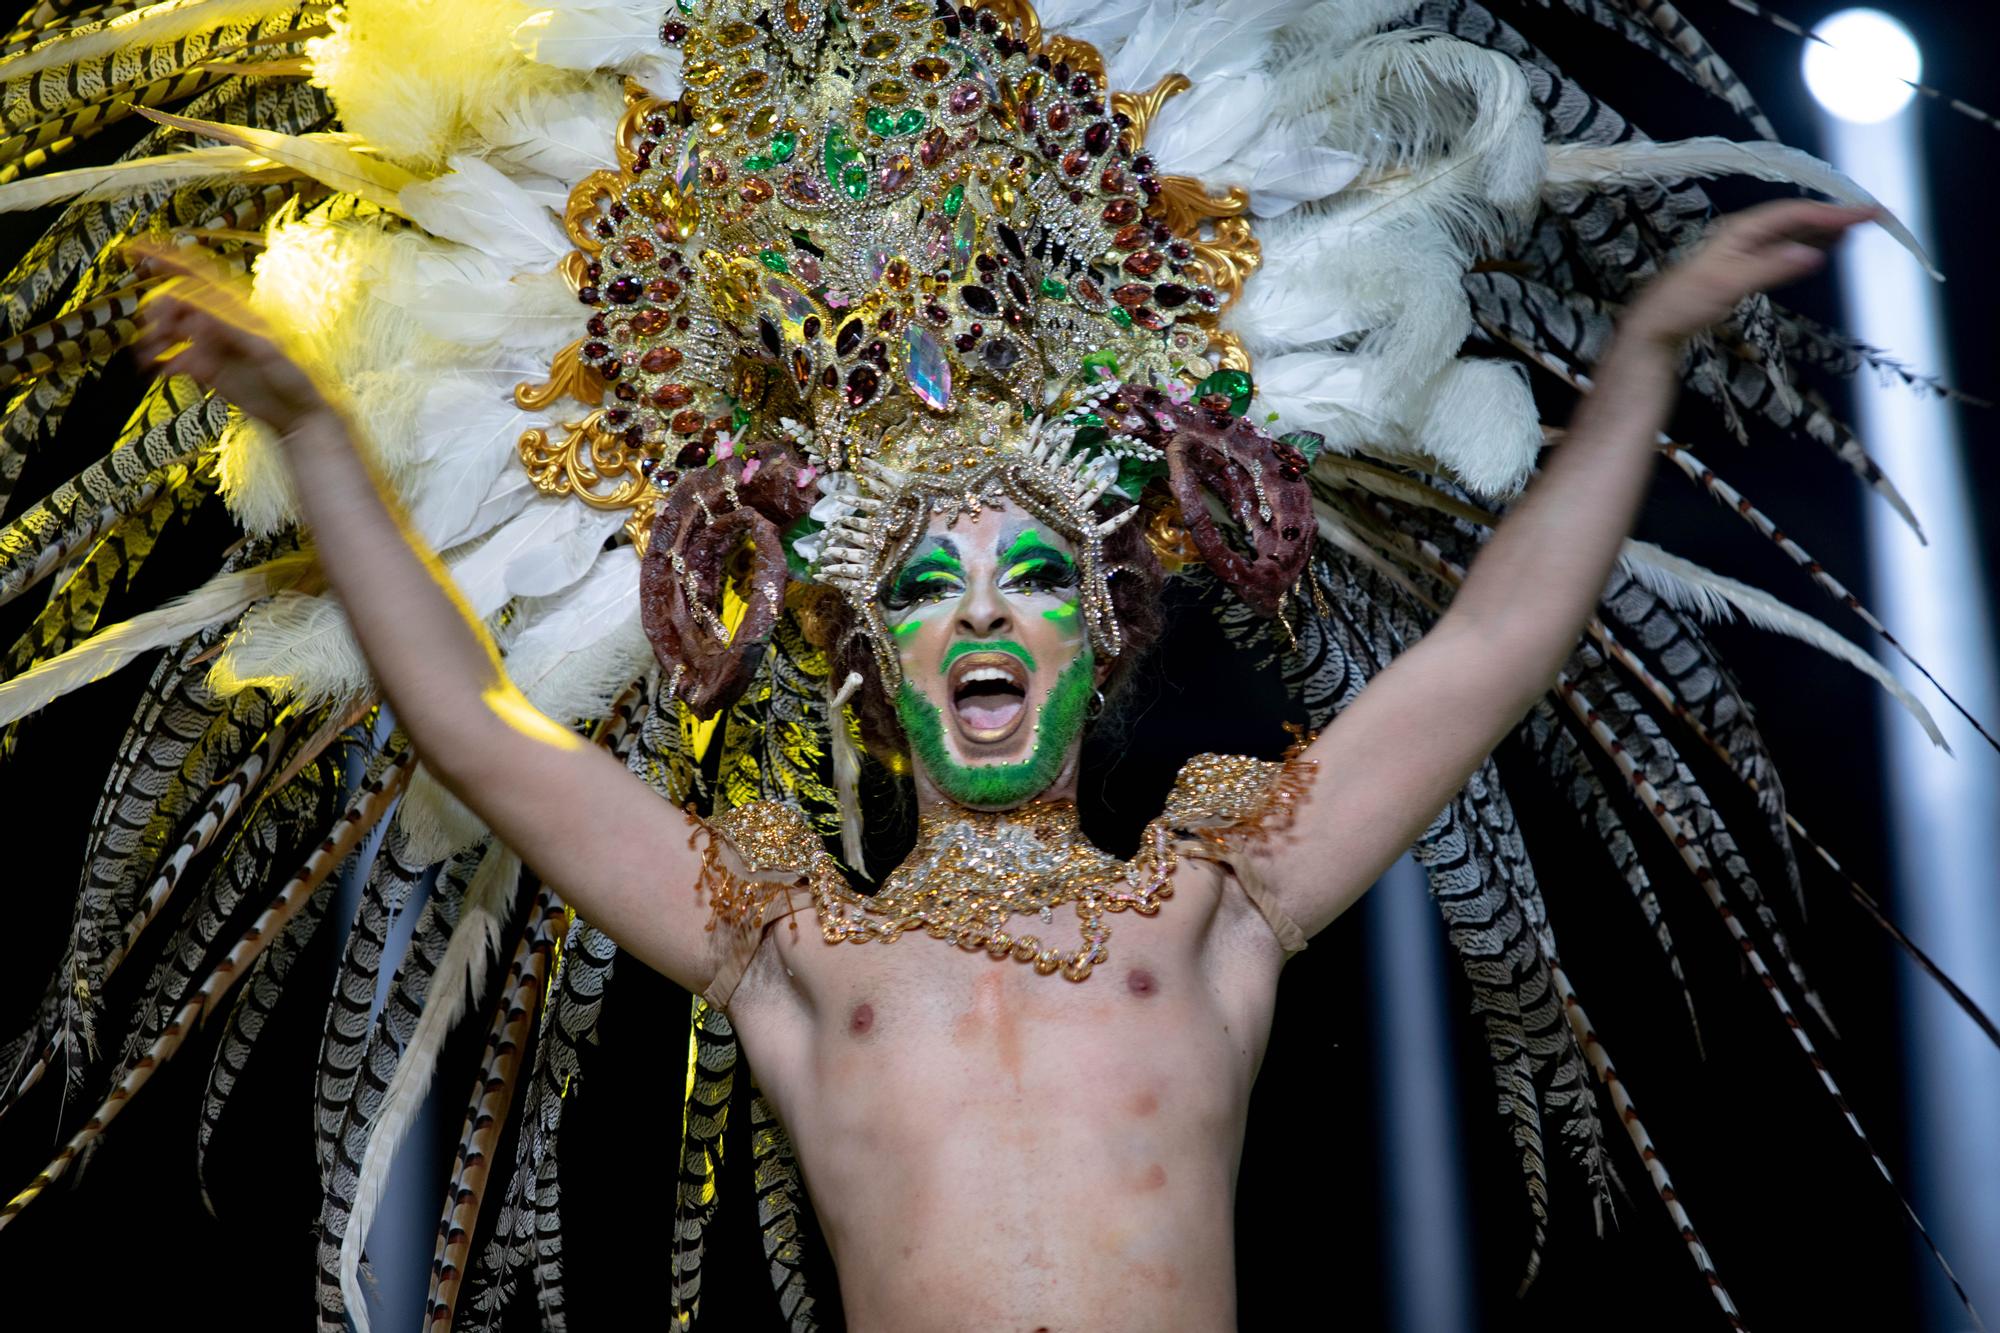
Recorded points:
(913,257)
(839,266)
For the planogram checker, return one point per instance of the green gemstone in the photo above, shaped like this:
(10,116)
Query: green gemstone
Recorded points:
(954,199)
(739,418)
(1122,318)
(774,261)
(888,124)
(758,162)
(854,181)
(1231,384)
(1054,290)
(839,153)
(783,145)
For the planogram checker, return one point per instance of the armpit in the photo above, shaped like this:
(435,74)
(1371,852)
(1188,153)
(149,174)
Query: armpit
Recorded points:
(1221,807)
(756,862)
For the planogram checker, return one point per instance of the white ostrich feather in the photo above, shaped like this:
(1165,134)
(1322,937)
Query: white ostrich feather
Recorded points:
(542,550)
(473,944)
(562,136)
(221,598)
(1711,596)
(297,645)
(154,25)
(435,824)
(420,78)
(476,205)
(140,173)
(575,652)
(615,34)
(1647,161)
(473,428)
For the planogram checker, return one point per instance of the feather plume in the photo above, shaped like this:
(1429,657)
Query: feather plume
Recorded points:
(140,173)
(298,646)
(154,25)
(381,62)
(1689,587)
(219,599)
(1642,162)
(578,650)
(846,770)
(473,944)
(331,159)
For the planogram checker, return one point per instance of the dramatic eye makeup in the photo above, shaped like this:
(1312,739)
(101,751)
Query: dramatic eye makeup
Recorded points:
(1031,564)
(934,574)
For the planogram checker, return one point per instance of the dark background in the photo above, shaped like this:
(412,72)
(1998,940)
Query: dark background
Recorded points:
(1804,1232)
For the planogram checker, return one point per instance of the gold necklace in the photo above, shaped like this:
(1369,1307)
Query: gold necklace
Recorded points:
(972,872)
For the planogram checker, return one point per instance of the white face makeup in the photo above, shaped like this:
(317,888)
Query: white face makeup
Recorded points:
(997,671)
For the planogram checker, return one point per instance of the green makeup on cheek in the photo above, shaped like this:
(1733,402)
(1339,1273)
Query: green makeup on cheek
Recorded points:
(1061,615)
(907,628)
(993,786)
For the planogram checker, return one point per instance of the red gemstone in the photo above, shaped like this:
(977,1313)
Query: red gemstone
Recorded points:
(1076,162)
(688,422)
(1144,264)
(1120,211)
(1131,236)
(1060,116)
(660,360)
(1132,294)
(649,322)
(672,396)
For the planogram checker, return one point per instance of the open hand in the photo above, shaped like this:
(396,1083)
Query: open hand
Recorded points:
(1746,252)
(199,323)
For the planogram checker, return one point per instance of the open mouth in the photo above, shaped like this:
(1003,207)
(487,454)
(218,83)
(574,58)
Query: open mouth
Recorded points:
(989,696)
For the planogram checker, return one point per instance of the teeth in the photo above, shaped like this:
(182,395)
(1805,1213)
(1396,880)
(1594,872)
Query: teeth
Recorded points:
(988,673)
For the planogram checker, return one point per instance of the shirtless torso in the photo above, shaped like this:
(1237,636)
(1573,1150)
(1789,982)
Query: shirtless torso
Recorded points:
(988,1148)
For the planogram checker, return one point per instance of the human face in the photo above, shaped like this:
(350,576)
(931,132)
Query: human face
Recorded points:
(997,670)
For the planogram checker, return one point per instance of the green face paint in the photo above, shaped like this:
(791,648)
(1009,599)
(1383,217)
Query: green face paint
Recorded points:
(995,786)
(1061,615)
(964,646)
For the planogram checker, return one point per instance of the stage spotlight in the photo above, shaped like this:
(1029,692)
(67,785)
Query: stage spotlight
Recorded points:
(1862,68)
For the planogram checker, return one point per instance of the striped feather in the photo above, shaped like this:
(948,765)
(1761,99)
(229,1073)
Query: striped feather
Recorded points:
(113,486)
(1563,762)
(1642,1143)
(387,1039)
(712,1060)
(488,902)
(492,1099)
(110,563)
(1587,712)
(307,880)
(781,1204)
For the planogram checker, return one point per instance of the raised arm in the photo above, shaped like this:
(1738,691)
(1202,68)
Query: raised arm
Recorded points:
(1411,738)
(567,808)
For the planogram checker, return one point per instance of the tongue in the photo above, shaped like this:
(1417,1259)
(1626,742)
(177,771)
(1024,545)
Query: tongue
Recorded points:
(989,712)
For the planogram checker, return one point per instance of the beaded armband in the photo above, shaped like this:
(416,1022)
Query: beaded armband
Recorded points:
(753,855)
(1232,801)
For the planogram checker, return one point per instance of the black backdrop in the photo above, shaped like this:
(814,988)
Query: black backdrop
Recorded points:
(1804,1233)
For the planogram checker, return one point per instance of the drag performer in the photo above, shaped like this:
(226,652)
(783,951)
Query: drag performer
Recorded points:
(770,399)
